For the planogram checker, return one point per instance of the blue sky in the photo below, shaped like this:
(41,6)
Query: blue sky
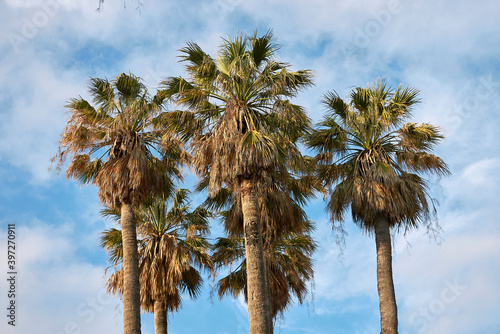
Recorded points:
(450,50)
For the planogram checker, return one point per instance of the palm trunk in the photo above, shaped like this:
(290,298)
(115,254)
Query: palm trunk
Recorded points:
(131,298)
(160,315)
(385,284)
(268,288)
(258,295)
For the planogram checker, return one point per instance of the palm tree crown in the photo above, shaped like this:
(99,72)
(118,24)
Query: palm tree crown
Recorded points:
(288,246)
(239,109)
(122,127)
(288,265)
(373,159)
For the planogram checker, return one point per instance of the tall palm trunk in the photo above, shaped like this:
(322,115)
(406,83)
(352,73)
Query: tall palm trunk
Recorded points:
(160,315)
(385,284)
(258,294)
(131,298)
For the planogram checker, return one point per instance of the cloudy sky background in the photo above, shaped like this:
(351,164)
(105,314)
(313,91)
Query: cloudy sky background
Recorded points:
(450,50)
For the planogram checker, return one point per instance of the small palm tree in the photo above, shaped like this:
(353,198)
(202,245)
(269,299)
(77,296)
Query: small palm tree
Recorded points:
(242,129)
(171,243)
(117,145)
(372,160)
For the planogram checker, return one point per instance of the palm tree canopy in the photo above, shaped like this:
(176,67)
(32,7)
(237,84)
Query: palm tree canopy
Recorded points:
(373,160)
(118,143)
(239,117)
(171,244)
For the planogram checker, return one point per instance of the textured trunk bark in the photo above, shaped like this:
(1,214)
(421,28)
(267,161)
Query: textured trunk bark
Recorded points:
(258,295)
(268,292)
(131,298)
(385,284)
(160,315)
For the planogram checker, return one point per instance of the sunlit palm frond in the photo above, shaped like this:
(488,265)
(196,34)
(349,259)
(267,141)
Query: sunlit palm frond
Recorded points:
(111,241)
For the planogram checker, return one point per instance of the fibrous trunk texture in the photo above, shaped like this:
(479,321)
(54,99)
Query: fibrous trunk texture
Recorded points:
(258,294)
(385,284)
(131,298)
(160,315)
(268,289)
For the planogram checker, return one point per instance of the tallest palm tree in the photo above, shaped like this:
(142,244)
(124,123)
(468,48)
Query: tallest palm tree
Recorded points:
(373,160)
(242,129)
(118,146)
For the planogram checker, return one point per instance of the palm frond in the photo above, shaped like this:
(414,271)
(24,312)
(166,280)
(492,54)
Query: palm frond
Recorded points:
(111,241)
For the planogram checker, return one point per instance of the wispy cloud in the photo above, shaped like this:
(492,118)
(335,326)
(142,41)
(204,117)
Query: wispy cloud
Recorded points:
(54,280)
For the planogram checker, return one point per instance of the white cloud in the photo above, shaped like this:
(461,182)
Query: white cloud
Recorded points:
(35,116)
(455,281)
(479,175)
(57,289)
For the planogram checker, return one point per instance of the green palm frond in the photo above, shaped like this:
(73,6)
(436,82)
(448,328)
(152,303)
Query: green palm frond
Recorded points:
(83,169)
(263,48)
(401,105)
(130,87)
(102,94)
(337,108)
(110,213)
(228,251)
(330,137)
(111,241)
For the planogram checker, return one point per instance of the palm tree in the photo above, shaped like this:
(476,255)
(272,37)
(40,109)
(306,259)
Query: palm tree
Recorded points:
(241,127)
(373,162)
(171,244)
(118,146)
